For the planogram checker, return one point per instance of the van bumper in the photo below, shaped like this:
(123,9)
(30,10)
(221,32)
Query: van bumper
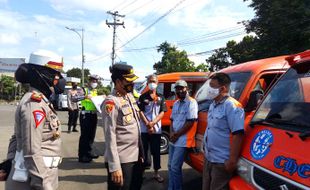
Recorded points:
(237,183)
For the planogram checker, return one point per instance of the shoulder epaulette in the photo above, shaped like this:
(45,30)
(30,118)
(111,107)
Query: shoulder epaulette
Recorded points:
(36,97)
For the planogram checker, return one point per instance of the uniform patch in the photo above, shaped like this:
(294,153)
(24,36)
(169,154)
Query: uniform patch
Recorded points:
(109,105)
(38,117)
(128,118)
(36,97)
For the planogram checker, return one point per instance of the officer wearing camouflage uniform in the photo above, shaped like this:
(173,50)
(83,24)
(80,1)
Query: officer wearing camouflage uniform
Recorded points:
(37,128)
(123,148)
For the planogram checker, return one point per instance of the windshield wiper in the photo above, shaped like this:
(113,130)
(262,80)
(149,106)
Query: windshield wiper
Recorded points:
(264,122)
(304,135)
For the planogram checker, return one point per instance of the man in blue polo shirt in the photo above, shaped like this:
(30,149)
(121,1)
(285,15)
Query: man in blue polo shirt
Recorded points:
(182,132)
(225,118)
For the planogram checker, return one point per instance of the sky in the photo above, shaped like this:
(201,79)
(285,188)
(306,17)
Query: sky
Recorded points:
(192,25)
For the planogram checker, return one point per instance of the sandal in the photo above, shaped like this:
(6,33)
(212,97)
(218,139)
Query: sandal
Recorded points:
(158,178)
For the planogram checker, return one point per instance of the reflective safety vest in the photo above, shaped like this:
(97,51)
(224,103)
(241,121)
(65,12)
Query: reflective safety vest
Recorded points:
(87,104)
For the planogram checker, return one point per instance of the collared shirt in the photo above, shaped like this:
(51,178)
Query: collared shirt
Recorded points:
(151,109)
(72,104)
(182,111)
(120,115)
(224,118)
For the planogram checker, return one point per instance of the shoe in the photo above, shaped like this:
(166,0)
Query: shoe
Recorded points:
(85,159)
(69,131)
(94,156)
(75,130)
(158,178)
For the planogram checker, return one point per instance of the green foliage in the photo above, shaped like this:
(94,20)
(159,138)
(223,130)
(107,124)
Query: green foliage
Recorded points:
(173,60)
(202,68)
(218,60)
(77,72)
(103,90)
(7,88)
(280,26)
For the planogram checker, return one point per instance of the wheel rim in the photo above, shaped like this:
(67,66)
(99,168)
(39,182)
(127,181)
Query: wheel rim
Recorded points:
(163,143)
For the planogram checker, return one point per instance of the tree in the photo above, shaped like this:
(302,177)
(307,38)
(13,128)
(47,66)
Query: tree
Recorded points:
(202,68)
(7,87)
(282,26)
(218,60)
(173,60)
(77,72)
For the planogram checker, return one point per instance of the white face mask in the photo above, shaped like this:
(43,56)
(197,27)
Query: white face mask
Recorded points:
(211,92)
(93,84)
(152,86)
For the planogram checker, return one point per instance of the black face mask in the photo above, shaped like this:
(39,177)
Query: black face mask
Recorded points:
(181,95)
(60,86)
(74,87)
(128,87)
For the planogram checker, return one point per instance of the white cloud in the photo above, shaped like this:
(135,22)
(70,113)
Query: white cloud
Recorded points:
(12,39)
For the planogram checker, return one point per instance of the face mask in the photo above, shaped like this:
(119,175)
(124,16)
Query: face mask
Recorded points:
(152,86)
(74,87)
(128,87)
(93,85)
(182,94)
(212,92)
(60,86)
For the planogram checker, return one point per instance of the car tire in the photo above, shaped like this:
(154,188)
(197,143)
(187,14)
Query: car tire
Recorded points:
(164,143)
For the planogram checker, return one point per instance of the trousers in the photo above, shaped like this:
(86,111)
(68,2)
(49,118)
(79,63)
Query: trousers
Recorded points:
(88,122)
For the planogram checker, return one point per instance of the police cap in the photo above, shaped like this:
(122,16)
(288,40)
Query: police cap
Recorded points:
(124,71)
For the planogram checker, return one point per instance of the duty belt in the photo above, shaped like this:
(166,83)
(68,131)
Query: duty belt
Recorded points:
(88,111)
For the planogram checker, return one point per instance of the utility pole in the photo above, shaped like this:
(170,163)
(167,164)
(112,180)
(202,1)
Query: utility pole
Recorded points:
(115,23)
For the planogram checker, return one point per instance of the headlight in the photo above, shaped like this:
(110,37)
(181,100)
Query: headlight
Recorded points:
(245,170)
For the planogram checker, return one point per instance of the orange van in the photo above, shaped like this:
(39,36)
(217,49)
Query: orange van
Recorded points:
(276,150)
(166,87)
(249,81)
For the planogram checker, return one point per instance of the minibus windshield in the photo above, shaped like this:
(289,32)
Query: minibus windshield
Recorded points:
(288,103)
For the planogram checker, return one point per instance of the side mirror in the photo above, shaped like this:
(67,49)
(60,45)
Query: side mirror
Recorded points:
(255,97)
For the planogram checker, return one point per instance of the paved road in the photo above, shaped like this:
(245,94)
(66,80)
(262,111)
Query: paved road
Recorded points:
(78,176)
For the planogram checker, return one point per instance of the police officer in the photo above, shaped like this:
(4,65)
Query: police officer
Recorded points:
(73,108)
(88,121)
(37,128)
(123,148)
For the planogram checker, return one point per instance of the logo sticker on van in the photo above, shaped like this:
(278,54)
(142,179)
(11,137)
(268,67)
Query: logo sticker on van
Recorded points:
(261,143)
(291,166)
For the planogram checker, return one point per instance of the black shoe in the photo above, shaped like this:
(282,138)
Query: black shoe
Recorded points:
(69,131)
(94,156)
(75,130)
(85,159)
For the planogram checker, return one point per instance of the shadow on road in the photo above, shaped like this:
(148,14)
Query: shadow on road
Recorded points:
(90,179)
(72,163)
(99,148)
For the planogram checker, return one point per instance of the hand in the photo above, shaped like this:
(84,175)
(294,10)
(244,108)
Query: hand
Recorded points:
(117,177)
(230,165)
(151,130)
(2,175)
(174,137)
(88,96)
(151,124)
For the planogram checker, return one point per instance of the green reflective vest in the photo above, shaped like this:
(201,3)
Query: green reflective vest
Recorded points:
(87,104)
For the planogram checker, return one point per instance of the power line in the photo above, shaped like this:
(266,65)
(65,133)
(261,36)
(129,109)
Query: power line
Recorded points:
(143,5)
(157,20)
